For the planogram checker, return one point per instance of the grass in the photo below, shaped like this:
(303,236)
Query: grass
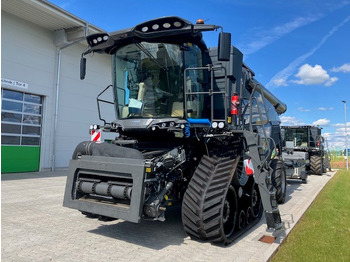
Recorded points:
(323,233)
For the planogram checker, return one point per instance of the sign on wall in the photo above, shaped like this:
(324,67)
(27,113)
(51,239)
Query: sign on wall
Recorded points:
(14,83)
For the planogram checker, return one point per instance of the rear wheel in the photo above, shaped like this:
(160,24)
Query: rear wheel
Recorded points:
(326,162)
(279,181)
(316,164)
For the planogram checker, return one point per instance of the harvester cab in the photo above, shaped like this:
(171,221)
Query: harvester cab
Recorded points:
(193,127)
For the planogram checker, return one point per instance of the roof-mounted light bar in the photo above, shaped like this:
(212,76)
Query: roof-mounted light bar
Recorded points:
(162,24)
(172,23)
(96,39)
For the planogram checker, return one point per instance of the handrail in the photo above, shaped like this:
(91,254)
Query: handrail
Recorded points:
(105,101)
(210,92)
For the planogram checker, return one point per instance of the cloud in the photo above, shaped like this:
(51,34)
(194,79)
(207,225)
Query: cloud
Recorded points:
(340,131)
(337,138)
(336,141)
(290,69)
(268,36)
(316,75)
(301,109)
(321,122)
(331,81)
(344,68)
(280,82)
(327,135)
(325,108)
(291,120)
(342,125)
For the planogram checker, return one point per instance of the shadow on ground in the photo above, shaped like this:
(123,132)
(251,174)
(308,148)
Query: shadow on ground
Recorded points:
(155,234)
(152,234)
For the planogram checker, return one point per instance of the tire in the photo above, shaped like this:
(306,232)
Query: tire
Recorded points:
(327,162)
(279,180)
(316,165)
(210,203)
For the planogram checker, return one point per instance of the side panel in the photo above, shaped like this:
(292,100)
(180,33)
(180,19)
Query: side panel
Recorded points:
(108,168)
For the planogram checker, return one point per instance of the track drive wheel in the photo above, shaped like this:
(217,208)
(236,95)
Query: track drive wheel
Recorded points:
(210,204)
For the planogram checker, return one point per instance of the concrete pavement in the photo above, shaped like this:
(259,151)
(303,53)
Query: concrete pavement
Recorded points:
(35,227)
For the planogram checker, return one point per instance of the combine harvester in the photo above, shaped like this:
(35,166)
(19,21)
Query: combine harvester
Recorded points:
(304,152)
(193,127)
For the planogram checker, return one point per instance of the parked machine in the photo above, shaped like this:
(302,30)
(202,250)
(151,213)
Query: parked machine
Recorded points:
(295,162)
(193,127)
(304,151)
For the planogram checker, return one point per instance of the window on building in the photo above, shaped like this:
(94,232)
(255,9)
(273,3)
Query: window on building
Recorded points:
(21,118)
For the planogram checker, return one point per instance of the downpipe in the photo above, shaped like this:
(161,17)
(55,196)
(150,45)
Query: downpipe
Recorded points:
(58,80)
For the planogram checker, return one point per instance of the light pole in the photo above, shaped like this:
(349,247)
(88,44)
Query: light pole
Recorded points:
(346,138)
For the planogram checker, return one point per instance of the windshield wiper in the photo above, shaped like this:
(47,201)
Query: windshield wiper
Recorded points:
(143,49)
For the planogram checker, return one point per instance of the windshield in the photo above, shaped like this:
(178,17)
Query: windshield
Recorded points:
(148,80)
(298,136)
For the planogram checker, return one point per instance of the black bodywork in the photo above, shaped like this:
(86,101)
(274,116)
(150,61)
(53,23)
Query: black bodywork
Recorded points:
(163,146)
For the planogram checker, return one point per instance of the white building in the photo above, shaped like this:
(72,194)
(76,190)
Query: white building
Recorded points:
(46,109)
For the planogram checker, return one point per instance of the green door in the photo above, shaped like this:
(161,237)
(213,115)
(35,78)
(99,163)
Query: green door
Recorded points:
(21,118)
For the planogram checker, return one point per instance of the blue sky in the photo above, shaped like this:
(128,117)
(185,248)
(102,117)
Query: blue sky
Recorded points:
(300,49)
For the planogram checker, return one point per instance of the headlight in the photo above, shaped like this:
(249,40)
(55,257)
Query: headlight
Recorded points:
(166,25)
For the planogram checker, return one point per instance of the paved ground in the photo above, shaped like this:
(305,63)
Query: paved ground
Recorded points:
(35,227)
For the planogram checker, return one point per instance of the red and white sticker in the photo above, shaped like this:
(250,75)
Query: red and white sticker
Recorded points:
(96,135)
(248,167)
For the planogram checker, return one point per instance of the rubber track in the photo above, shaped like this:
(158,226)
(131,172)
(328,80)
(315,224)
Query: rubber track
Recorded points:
(316,165)
(203,200)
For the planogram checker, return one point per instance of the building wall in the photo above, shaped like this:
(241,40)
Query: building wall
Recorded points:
(30,56)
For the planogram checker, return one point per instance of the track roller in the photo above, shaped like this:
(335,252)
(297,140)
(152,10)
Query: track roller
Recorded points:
(241,219)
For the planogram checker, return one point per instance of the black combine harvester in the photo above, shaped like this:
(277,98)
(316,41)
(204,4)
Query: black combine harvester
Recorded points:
(193,127)
(304,148)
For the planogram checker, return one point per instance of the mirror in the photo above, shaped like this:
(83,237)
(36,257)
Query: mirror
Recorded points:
(82,68)
(224,46)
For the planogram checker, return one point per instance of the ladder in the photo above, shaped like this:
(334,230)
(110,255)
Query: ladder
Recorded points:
(261,159)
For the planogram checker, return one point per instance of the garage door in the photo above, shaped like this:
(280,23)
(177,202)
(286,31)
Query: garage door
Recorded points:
(21,118)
